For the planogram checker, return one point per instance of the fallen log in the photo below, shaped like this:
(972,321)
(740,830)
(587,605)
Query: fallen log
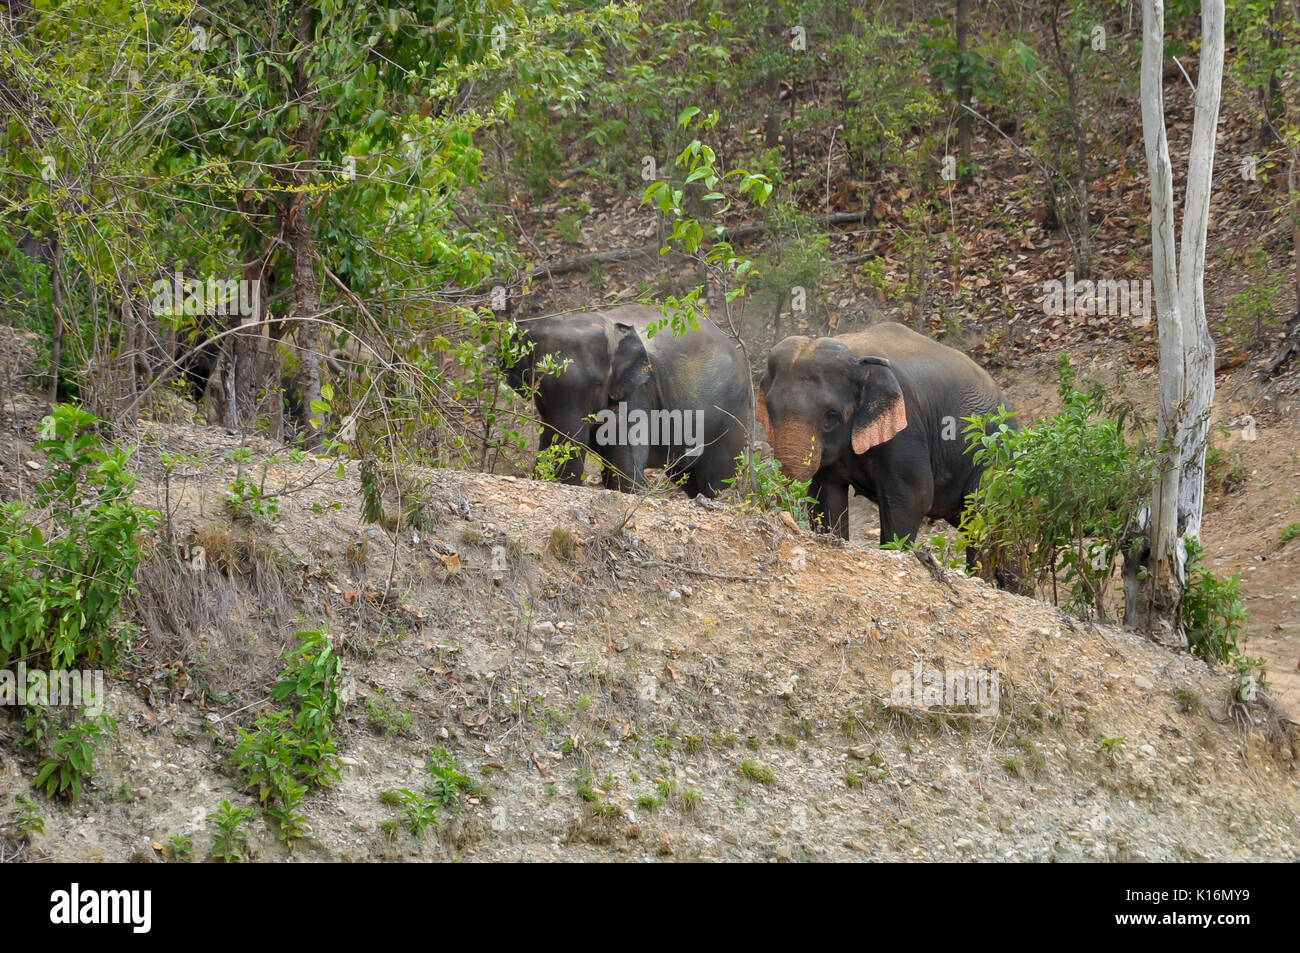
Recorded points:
(1289,349)
(577,263)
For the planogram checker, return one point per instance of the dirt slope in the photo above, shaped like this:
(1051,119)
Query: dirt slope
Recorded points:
(730,667)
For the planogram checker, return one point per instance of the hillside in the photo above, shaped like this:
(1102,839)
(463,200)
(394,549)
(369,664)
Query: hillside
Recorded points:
(727,665)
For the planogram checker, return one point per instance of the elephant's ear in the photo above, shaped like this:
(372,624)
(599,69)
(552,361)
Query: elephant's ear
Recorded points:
(879,413)
(630,364)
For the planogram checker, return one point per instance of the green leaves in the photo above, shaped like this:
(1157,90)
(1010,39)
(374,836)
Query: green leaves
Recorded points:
(72,756)
(689,234)
(1058,497)
(230,841)
(765,487)
(60,590)
(291,752)
(1213,613)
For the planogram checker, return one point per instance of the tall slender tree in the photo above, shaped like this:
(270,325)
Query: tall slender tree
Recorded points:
(1186,349)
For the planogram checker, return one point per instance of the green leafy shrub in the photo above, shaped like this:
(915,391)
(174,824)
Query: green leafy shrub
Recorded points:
(63,577)
(551,461)
(443,791)
(421,811)
(795,256)
(70,752)
(447,781)
(1213,613)
(1058,497)
(291,752)
(247,501)
(761,485)
(231,840)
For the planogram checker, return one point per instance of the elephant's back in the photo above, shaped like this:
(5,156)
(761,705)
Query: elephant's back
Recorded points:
(705,349)
(925,360)
(702,366)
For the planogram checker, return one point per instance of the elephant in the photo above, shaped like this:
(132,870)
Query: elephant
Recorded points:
(879,410)
(676,402)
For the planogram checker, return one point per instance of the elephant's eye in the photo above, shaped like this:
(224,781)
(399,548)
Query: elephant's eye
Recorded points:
(833,420)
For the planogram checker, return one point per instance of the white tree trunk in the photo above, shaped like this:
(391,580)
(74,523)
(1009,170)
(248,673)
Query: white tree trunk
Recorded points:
(1198,346)
(1186,349)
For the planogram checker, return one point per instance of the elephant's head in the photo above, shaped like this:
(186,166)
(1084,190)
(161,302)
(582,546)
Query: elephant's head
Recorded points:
(594,365)
(821,403)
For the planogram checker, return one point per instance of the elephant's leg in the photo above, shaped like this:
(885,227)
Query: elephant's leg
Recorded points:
(904,503)
(698,485)
(706,477)
(830,514)
(899,519)
(717,461)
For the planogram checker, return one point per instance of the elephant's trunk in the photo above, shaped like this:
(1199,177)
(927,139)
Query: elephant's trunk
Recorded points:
(797,447)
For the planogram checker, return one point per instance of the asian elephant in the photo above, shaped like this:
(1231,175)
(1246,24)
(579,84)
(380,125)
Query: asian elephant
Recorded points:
(638,402)
(879,410)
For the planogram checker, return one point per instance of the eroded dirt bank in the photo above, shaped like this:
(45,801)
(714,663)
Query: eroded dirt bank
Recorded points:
(655,679)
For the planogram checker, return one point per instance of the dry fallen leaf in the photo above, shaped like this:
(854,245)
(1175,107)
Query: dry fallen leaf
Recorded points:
(452,564)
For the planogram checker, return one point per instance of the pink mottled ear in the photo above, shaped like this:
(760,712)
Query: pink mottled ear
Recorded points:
(880,428)
(760,413)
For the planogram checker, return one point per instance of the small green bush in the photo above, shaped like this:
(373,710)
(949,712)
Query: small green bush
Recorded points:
(761,485)
(231,840)
(1213,613)
(61,586)
(947,554)
(1058,497)
(1253,313)
(291,752)
(69,757)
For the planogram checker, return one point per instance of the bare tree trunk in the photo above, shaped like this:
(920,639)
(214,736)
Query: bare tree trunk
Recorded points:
(1293,188)
(1198,347)
(306,289)
(133,342)
(56,344)
(1186,351)
(1082,220)
(1271,102)
(1161,596)
(963,89)
(772,87)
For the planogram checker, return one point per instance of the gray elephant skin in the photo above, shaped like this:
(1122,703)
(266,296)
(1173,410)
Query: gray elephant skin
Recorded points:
(879,410)
(610,364)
